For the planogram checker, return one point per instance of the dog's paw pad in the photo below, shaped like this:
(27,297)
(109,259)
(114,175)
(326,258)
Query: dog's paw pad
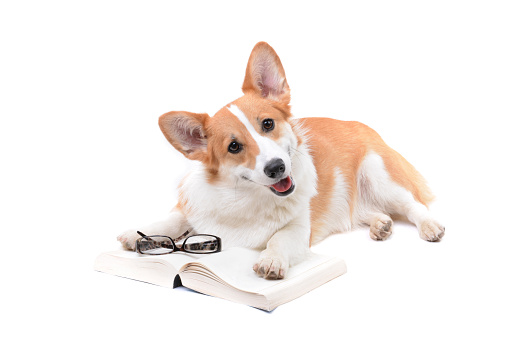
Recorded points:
(431,230)
(381,229)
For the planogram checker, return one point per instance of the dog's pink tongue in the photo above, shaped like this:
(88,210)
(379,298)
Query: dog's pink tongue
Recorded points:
(283,185)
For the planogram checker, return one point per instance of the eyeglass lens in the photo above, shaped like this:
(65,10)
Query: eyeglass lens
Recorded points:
(201,244)
(156,245)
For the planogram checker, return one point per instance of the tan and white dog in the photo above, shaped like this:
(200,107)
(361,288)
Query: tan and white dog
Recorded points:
(264,180)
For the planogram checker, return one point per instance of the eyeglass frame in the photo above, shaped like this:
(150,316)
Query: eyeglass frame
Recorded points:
(175,247)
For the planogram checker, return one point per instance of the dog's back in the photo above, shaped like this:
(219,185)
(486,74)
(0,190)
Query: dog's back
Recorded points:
(356,170)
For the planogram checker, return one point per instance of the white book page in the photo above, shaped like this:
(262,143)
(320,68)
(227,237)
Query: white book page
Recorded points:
(235,267)
(176,259)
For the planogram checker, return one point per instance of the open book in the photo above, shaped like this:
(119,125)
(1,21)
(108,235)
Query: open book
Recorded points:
(228,274)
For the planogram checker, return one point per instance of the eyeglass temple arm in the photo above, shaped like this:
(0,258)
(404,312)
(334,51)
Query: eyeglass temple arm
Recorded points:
(143,235)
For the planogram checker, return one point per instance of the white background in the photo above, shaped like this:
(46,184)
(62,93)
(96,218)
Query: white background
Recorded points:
(82,85)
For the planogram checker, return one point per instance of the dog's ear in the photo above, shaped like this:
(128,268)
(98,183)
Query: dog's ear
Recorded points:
(265,75)
(186,132)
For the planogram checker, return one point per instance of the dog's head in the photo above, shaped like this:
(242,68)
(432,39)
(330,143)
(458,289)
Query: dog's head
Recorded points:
(250,139)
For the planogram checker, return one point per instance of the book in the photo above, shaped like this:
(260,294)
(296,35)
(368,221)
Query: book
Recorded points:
(227,274)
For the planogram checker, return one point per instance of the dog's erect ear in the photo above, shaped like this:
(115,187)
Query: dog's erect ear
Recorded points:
(186,132)
(265,75)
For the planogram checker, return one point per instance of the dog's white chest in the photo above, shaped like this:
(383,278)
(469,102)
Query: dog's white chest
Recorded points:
(241,216)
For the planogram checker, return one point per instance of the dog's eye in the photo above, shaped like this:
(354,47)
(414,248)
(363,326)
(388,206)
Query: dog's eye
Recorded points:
(268,125)
(234,147)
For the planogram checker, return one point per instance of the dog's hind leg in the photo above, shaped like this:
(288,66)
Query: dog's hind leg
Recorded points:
(174,226)
(379,192)
(429,229)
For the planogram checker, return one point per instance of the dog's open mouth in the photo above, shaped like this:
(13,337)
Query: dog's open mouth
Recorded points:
(283,187)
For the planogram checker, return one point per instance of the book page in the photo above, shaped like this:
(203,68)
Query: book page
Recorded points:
(235,267)
(154,269)
(176,259)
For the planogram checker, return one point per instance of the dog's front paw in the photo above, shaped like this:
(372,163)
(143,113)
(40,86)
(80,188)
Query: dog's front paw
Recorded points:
(431,230)
(271,266)
(128,239)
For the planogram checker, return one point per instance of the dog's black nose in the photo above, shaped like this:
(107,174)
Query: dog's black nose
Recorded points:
(275,168)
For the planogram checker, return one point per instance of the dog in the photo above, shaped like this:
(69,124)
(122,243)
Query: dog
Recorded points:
(264,180)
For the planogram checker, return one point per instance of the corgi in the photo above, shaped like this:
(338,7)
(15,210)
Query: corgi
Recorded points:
(266,181)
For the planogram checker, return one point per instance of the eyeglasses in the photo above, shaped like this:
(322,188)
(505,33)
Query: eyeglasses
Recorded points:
(160,244)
